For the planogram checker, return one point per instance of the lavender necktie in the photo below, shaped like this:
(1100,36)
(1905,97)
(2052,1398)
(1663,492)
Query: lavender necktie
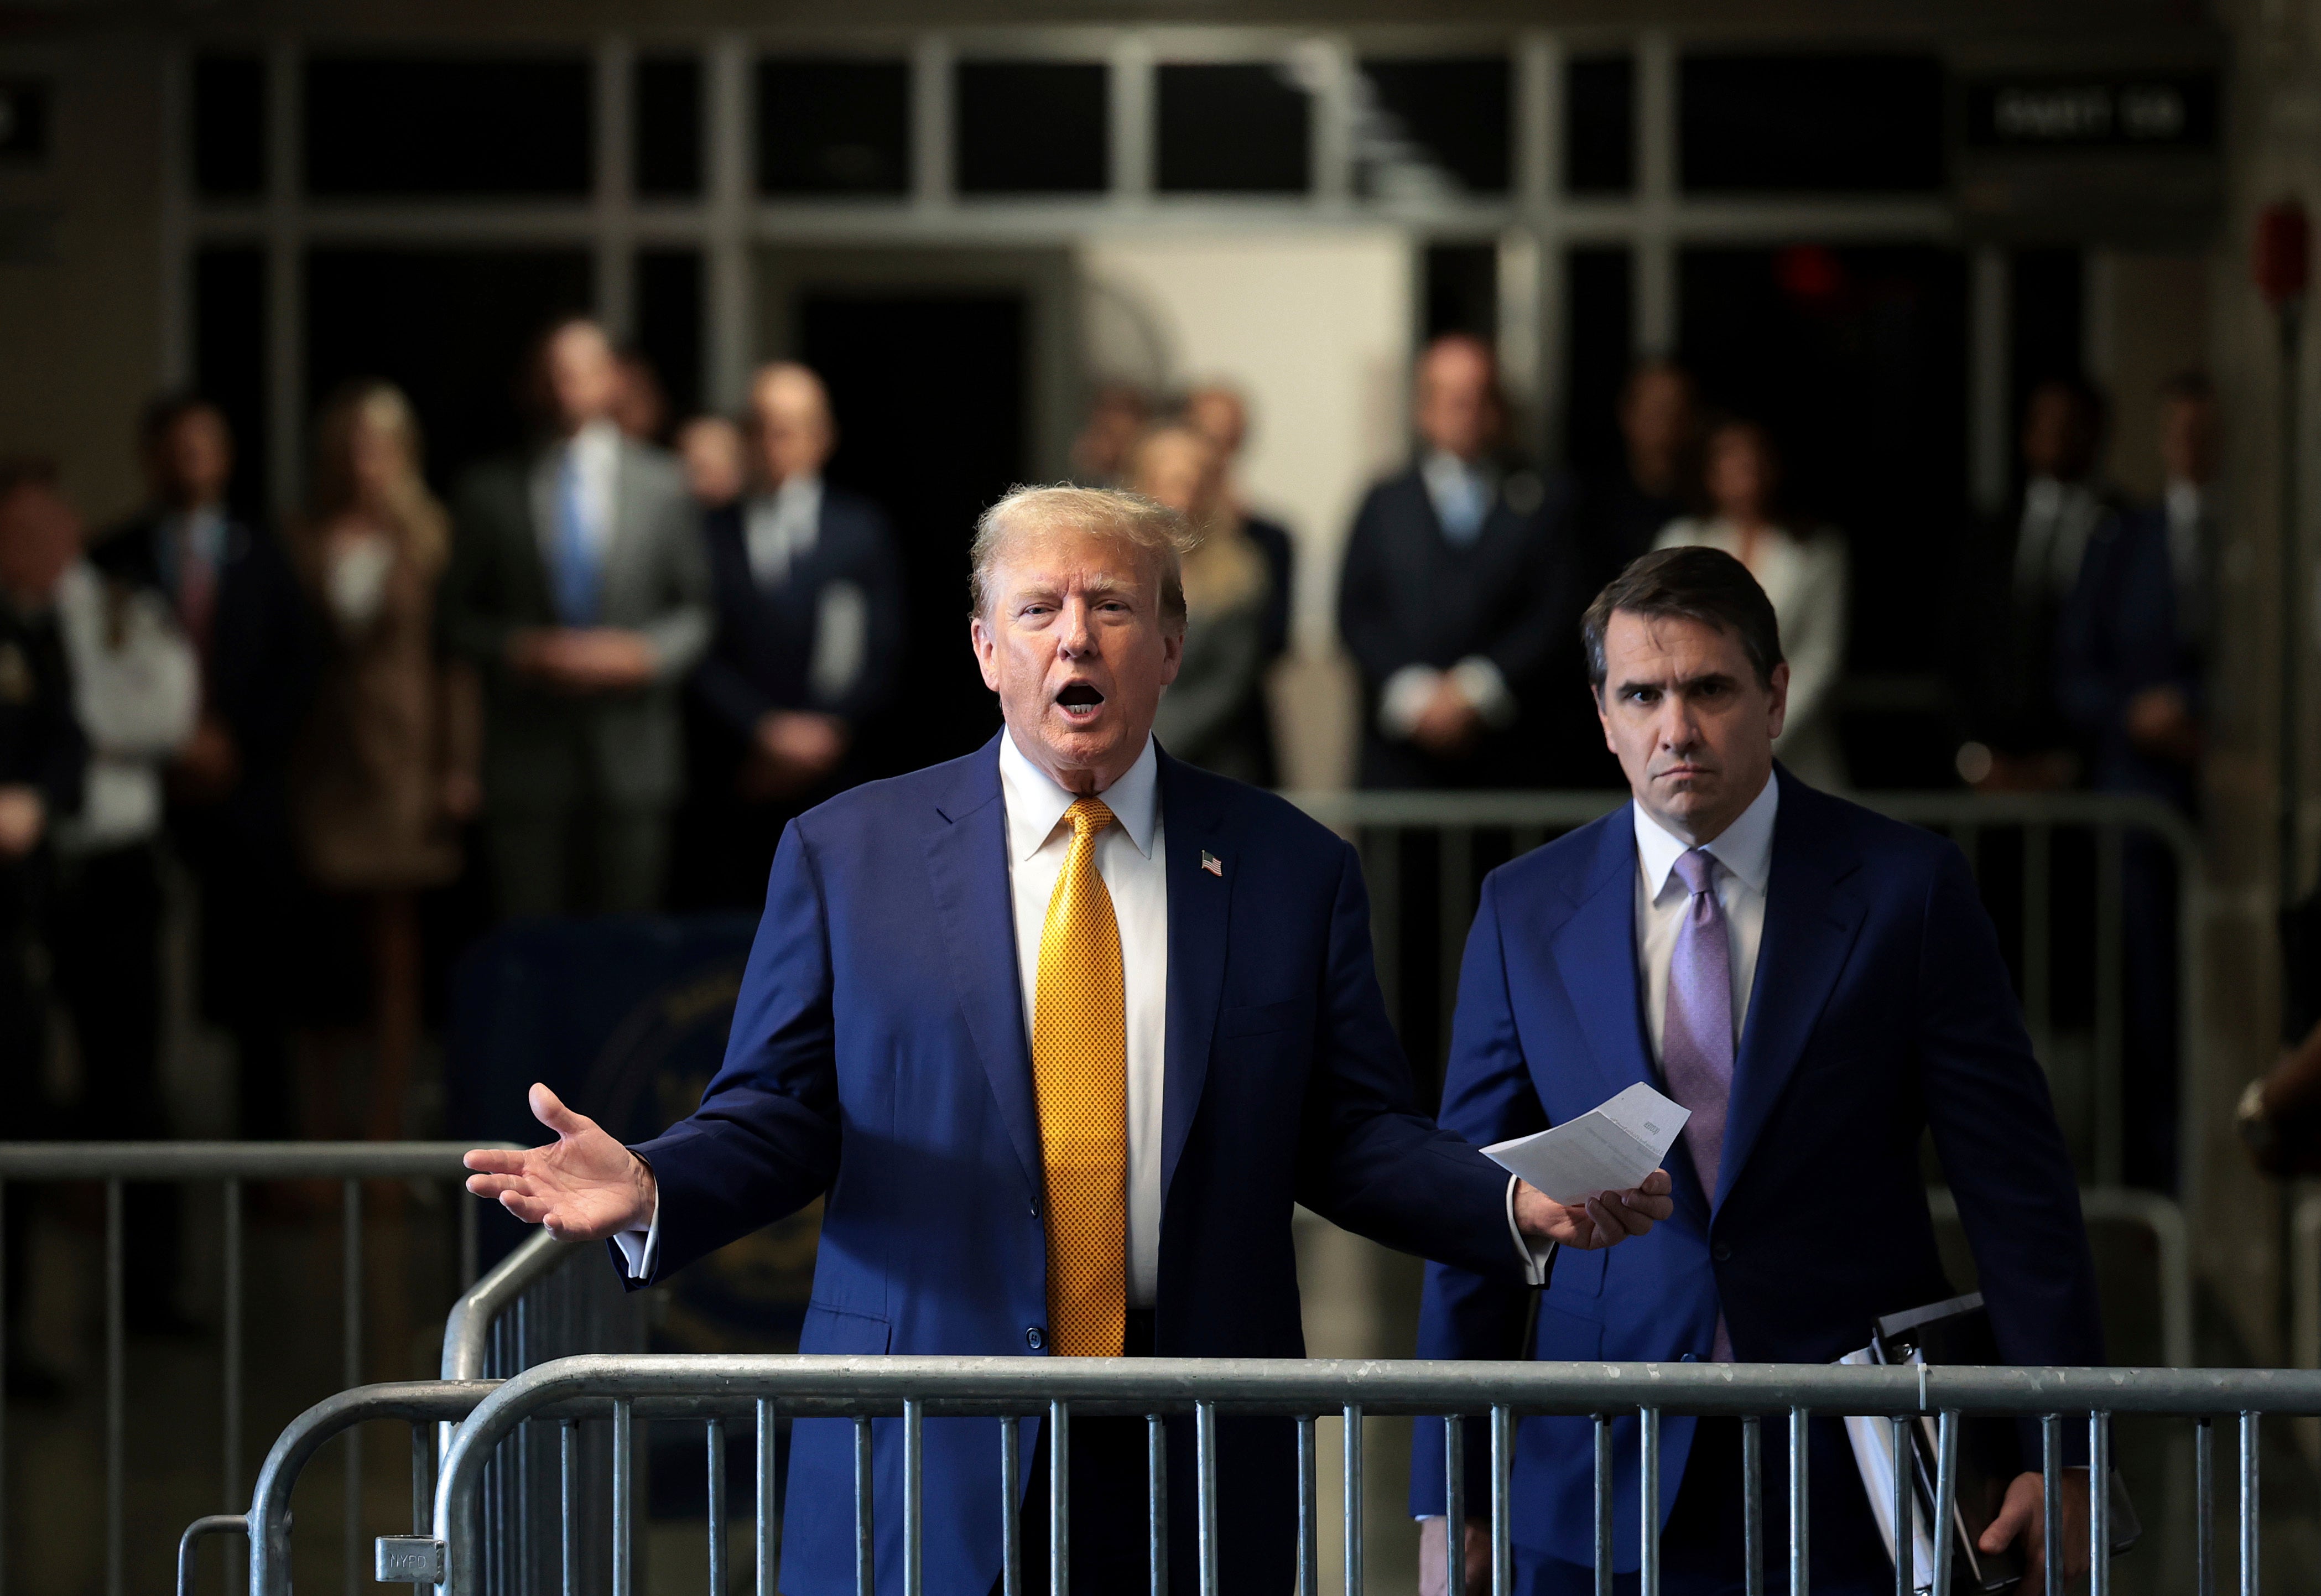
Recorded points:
(1697,1032)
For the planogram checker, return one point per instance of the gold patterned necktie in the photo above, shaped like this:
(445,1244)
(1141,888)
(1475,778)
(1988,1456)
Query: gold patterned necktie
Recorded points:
(1079,1068)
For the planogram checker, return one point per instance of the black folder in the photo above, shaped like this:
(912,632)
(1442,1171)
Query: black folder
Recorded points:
(1989,1451)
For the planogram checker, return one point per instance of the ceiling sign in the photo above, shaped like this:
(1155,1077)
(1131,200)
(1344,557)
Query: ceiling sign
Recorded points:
(2156,111)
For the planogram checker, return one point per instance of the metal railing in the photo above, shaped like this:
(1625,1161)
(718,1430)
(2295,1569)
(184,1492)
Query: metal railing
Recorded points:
(233,1166)
(906,1391)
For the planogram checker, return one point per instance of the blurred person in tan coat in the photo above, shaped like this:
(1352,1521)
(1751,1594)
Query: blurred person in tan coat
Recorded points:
(386,770)
(1213,714)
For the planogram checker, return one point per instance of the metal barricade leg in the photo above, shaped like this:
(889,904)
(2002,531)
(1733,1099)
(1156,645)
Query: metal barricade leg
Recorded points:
(1011,1506)
(1156,1501)
(1648,1504)
(913,1496)
(351,1373)
(624,1465)
(1204,1443)
(1503,1462)
(116,1397)
(2204,1503)
(1753,1505)
(567,1514)
(717,1450)
(1945,1498)
(1801,1514)
(2099,1504)
(1060,1501)
(866,1581)
(1352,1475)
(769,1526)
(2249,1500)
(1454,1504)
(1603,1504)
(2051,1488)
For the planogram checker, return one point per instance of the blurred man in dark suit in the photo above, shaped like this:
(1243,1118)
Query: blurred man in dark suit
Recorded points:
(1218,412)
(809,635)
(1461,600)
(1624,510)
(577,586)
(235,597)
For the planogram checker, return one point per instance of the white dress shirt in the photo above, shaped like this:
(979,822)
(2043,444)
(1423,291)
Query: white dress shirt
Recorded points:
(2052,539)
(1133,858)
(137,692)
(595,450)
(1744,851)
(780,527)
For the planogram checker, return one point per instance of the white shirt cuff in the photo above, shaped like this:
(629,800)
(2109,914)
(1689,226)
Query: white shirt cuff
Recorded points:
(1537,1256)
(641,1249)
(1404,700)
(1479,682)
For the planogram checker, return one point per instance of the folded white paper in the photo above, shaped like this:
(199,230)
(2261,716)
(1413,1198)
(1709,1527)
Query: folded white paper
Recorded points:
(1610,1148)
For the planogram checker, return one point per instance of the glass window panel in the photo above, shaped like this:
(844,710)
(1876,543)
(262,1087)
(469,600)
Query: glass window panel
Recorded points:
(668,324)
(229,358)
(667,159)
(1233,128)
(1436,125)
(833,126)
(1599,124)
(468,128)
(1033,127)
(23,119)
(1811,125)
(229,125)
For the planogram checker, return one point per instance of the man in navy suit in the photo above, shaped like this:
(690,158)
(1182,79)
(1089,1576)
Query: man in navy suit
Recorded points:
(1821,987)
(1063,1030)
(809,635)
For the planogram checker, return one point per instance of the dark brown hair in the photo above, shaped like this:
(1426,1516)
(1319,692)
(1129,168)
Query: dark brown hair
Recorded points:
(1693,584)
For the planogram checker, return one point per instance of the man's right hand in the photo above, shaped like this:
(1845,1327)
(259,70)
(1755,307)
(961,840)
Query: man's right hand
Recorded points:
(1430,1571)
(584,1186)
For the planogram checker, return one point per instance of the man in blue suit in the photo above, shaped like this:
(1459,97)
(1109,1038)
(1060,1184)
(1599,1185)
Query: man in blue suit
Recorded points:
(1062,1030)
(1821,987)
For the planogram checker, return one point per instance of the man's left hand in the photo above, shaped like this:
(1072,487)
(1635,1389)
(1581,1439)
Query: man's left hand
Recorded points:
(1603,1220)
(2025,1513)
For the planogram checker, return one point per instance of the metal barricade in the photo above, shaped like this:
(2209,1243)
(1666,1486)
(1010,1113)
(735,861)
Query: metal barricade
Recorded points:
(761,1391)
(232,1166)
(1431,891)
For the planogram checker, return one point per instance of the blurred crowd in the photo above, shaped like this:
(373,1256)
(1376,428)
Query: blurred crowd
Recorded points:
(603,676)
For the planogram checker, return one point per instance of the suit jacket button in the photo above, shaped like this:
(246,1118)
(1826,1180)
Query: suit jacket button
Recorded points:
(1033,1339)
(1721,1253)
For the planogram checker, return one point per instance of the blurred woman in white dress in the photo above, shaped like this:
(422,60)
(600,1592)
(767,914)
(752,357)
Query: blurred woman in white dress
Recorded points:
(1802,571)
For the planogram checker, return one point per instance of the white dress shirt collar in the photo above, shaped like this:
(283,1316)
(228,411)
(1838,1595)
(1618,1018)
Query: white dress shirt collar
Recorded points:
(1036,800)
(1746,847)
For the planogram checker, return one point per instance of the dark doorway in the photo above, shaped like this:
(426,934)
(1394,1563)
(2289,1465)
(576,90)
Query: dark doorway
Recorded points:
(932,399)
(449,327)
(1855,359)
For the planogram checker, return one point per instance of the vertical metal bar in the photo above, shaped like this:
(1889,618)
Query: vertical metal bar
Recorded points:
(768,1527)
(2099,1504)
(1060,1501)
(1011,1504)
(1454,1504)
(567,1514)
(625,1464)
(2248,1505)
(1801,1515)
(2111,986)
(2204,1491)
(1648,1505)
(1603,1504)
(116,1395)
(1205,1454)
(1906,1550)
(1753,1504)
(865,1524)
(1945,1499)
(2050,1495)
(351,1373)
(1156,1499)
(716,1449)
(1503,1462)
(1309,1515)
(1352,1475)
(913,1496)
(2038,968)
(232,1371)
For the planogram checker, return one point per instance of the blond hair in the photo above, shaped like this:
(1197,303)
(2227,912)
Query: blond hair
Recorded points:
(419,519)
(1154,530)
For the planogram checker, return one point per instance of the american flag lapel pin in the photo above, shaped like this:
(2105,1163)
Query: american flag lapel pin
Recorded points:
(1210,862)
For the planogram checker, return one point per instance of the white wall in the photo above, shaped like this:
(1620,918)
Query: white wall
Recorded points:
(1316,331)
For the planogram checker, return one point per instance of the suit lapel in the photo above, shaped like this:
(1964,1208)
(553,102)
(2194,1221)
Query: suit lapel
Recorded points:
(1596,959)
(1811,915)
(1198,906)
(967,859)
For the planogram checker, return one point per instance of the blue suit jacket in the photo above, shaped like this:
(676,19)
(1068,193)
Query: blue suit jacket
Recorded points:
(1881,1011)
(2117,634)
(878,1056)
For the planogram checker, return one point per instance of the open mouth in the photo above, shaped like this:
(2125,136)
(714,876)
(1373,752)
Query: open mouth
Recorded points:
(1080,701)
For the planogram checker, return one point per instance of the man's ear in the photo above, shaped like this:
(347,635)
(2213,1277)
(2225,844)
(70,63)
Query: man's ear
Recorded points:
(1778,713)
(1172,650)
(984,645)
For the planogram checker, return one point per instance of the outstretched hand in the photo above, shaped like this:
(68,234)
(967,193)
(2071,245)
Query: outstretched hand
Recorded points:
(2025,1513)
(1603,1220)
(584,1186)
